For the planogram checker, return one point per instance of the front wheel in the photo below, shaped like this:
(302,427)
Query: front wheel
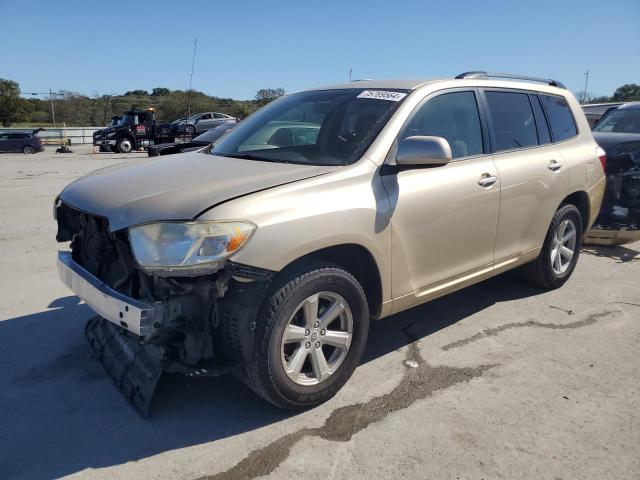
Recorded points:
(309,336)
(124,145)
(560,250)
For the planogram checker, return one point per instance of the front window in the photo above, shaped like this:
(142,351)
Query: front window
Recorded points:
(324,127)
(621,120)
(127,119)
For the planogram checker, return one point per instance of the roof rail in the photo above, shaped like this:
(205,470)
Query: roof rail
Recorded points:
(486,75)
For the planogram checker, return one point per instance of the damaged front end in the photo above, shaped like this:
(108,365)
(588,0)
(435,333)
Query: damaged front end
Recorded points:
(197,325)
(619,219)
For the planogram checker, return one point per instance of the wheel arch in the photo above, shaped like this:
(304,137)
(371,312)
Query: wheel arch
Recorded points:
(580,199)
(359,262)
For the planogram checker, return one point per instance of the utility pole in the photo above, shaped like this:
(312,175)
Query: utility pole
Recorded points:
(586,81)
(193,61)
(51,95)
(350,71)
(53,112)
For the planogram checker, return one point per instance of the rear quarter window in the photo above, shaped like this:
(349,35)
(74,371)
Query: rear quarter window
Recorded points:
(562,123)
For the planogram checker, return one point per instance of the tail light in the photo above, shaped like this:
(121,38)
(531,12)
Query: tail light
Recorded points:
(602,156)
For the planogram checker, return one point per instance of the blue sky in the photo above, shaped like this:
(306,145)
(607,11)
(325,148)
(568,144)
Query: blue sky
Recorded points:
(112,46)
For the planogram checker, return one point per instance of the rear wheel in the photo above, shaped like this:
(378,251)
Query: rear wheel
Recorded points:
(29,149)
(310,335)
(124,145)
(560,251)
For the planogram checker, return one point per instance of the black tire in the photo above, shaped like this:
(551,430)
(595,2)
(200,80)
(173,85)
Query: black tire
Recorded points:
(124,145)
(540,272)
(265,373)
(29,149)
(190,130)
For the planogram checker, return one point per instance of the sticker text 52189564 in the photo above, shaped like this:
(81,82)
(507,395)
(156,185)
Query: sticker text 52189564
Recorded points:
(383,95)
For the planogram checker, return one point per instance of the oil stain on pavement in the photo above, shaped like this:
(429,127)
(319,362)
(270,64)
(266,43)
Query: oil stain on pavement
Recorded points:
(416,384)
(491,332)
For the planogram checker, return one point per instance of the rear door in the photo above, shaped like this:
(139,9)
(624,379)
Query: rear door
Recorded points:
(533,178)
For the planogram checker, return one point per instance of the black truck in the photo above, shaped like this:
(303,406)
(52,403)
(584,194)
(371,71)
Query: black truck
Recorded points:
(135,129)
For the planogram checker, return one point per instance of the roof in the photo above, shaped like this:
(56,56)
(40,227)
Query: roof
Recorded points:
(390,84)
(526,83)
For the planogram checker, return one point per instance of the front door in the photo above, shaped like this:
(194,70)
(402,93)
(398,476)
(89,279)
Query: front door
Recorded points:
(444,218)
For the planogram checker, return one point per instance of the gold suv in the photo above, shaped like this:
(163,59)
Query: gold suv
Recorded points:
(268,254)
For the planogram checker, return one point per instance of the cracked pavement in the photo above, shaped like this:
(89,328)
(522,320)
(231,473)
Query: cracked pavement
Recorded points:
(511,382)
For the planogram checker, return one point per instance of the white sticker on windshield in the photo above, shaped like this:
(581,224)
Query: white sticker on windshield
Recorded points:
(382,95)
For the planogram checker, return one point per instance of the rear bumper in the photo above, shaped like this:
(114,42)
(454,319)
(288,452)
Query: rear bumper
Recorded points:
(610,237)
(135,316)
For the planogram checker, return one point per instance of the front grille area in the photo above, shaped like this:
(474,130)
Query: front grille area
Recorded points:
(104,254)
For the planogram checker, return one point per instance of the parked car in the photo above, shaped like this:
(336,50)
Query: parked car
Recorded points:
(198,143)
(20,142)
(595,111)
(199,123)
(321,212)
(618,133)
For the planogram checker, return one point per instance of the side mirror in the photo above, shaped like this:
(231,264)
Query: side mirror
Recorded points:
(420,150)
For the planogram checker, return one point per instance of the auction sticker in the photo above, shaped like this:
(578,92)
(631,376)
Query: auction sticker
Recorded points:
(383,95)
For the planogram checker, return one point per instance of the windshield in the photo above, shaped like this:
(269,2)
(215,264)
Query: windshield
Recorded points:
(126,120)
(621,120)
(324,127)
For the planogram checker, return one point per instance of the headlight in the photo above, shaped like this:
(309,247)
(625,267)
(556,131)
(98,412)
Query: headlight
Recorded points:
(189,248)
(111,134)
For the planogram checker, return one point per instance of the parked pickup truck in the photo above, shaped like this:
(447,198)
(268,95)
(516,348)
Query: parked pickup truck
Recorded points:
(135,129)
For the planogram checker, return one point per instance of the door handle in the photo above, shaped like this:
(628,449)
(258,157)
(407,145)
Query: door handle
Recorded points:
(486,180)
(554,165)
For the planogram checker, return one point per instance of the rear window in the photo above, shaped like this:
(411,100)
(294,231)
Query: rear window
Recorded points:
(544,137)
(512,118)
(563,125)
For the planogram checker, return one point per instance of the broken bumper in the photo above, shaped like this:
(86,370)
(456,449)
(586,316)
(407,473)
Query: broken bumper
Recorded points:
(104,143)
(135,316)
(610,237)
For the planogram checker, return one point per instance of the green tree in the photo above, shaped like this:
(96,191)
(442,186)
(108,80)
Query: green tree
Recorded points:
(160,92)
(13,108)
(627,93)
(136,93)
(266,95)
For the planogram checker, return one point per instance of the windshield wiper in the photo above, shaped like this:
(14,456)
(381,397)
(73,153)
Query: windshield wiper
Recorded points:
(248,156)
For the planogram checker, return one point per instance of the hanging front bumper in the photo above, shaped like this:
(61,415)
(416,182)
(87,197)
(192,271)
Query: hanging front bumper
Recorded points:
(133,315)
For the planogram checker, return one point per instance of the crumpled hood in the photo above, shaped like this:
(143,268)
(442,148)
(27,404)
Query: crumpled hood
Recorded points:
(175,187)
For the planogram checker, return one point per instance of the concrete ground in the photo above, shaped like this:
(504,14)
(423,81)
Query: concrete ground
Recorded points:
(512,382)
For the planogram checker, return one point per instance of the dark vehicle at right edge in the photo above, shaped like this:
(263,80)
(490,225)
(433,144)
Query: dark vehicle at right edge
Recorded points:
(618,133)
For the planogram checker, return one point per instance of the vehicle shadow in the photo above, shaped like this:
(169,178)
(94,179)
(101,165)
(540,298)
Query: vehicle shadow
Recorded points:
(61,414)
(619,253)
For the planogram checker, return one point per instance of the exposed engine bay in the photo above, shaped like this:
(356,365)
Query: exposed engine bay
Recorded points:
(206,322)
(619,218)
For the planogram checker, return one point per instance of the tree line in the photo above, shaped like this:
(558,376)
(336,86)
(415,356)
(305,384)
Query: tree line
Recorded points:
(75,109)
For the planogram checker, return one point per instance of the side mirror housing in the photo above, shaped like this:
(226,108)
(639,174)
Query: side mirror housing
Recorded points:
(422,150)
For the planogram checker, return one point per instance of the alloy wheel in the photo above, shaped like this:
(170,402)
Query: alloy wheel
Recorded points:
(317,338)
(563,246)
